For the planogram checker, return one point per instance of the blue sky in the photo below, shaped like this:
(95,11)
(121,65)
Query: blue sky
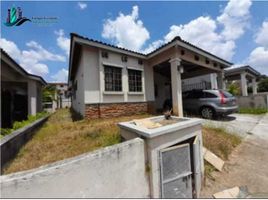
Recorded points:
(234,30)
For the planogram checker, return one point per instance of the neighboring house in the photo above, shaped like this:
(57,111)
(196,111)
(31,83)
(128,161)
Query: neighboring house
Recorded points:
(61,98)
(246,76)
(21,92)
(109,81)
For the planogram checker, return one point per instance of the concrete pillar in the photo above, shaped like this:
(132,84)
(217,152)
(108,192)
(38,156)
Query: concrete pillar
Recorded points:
(213,81)
(244,86)
(176,70)
(32,94)
(221,81)
(254,86)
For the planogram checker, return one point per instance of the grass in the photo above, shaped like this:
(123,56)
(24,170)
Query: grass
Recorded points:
(220,142)
(60,138)
(255,111)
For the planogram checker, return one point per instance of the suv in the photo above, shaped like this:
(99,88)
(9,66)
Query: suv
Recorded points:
(209,103)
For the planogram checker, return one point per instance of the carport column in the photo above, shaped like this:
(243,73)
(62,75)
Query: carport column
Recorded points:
(254,86)
(221,83)
(176,70)
(32,94)
(244,86)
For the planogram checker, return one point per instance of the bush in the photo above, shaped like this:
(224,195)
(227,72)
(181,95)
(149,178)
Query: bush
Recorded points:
(17,125)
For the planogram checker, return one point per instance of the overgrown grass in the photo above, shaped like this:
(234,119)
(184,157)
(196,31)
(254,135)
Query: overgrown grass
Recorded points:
(220,142)
(255,111)
(17,125)
(60,138)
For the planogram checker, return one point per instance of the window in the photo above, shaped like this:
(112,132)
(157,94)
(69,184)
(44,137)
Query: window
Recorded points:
(209,95)
(113,78)
(134,80)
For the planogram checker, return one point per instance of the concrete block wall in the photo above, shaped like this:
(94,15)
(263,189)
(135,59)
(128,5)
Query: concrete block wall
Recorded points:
(253,101)
(117,171)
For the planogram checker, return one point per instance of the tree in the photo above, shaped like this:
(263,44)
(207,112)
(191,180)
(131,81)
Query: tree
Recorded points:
(263,85)
(234,88)
(49,93)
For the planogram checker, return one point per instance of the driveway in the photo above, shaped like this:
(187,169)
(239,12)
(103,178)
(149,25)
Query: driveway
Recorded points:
(248,163)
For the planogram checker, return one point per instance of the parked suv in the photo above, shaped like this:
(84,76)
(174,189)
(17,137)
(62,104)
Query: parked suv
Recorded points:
(209,103)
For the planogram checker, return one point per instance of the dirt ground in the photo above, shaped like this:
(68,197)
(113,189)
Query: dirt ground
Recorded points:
(247,166)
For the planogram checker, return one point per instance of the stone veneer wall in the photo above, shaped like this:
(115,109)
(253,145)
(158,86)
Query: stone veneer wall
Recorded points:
(106,110)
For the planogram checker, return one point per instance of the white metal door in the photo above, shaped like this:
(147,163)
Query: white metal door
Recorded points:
(175,165)
(197,167)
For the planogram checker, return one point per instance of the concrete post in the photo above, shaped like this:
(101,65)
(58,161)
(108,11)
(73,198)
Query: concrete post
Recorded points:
(254,86)
(176,70)
(221,81)
(32,94)
(244,86)
(213,81)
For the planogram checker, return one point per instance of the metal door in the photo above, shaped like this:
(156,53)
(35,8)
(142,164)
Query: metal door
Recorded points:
(197,167)
(175,165)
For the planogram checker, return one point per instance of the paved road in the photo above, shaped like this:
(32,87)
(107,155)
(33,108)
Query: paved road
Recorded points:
(248,164)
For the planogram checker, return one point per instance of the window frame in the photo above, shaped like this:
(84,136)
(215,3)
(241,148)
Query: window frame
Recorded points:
(115,84)
(132,79)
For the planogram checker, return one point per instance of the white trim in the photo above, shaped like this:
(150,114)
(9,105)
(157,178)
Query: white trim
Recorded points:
(113,93)
(103,46)
(112,65)
(133,68)
(135,93)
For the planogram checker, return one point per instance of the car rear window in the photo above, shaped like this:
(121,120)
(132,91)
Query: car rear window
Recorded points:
(226,94)
(209,95)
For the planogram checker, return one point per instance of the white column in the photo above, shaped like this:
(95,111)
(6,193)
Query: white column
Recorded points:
(176,70)
(221,81)
(213,81)
(254,86)
(125,82)
(32,94)
(244,86)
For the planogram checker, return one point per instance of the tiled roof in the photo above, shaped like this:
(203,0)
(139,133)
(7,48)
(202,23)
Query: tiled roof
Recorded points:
(20,68)
(178,38)
(243,68)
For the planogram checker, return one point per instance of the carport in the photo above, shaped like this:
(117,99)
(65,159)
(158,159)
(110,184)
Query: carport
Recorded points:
(178,60)
(244,75)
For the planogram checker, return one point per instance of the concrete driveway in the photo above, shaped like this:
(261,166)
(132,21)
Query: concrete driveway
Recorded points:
(248,163)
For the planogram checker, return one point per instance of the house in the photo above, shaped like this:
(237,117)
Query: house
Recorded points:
(21,92)
(244,75)
(61,97)
(109,81)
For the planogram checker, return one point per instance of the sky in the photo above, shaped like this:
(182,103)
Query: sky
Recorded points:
(235,30)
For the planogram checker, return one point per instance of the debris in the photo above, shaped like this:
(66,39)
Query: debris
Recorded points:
(147,123)
(213,159)
(235,192)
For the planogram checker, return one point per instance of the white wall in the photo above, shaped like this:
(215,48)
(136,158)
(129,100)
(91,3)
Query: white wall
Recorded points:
(112,172)
(78,103)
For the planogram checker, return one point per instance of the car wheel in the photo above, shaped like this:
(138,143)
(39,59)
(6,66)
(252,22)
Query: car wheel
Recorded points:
(207,112)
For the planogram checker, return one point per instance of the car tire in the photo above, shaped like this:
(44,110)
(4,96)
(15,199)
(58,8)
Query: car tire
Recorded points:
(207,112)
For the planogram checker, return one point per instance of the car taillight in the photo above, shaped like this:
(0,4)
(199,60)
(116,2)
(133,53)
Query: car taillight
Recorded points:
(223,100)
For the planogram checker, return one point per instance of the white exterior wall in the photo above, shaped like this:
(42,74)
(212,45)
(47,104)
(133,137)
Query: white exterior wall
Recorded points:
(78,102)
(93,64)
(117,171)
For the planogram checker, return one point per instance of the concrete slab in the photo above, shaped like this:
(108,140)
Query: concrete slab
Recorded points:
(229,193)
(213,159)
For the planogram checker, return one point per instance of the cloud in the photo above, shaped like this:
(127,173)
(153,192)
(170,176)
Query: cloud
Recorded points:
(62,41)
(82,5)
(30,59)
(60,76)
(262,35)
(153,46)
(202,32)
(235,18)
(206,32)
(126,30)
(258,57)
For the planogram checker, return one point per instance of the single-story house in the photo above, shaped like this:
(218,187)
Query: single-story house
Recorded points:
(244,75)
(108,81)
(21,92)
(61,98)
